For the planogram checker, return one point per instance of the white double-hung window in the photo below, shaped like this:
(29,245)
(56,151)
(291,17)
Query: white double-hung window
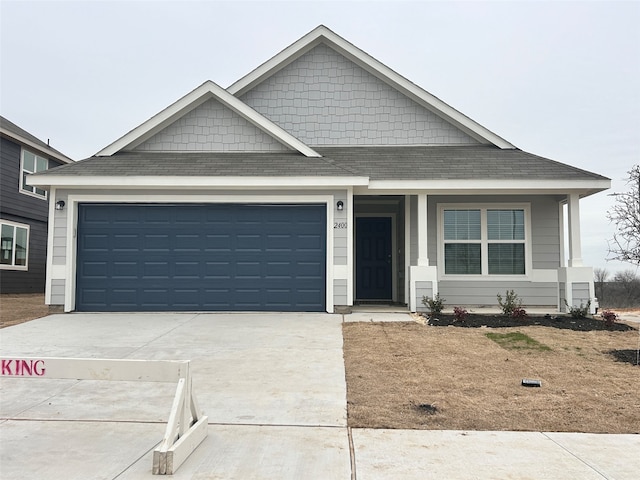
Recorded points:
(32,163)
(485,240)
(14,245)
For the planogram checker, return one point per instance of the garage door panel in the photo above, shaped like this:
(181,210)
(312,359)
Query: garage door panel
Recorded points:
(201,257)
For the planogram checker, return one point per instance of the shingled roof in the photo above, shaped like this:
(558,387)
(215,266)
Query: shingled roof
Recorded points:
(376,163)
(11,130)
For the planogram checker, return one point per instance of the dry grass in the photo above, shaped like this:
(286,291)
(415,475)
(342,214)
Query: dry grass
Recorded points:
(396,373)
(20,308)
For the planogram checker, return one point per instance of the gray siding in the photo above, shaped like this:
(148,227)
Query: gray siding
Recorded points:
(580,293)
(340,240)
(57,292)
(323,98)
(423,289)
(470,293)
(27,210)
(12,202)
(33,279)
(340,292)
(545,232)
(212,127)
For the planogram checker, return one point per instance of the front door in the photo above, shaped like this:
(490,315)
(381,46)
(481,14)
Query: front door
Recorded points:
(373,258)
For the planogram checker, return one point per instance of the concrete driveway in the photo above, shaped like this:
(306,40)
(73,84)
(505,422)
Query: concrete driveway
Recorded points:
(273,386)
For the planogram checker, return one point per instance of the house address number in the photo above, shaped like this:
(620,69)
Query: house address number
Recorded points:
(340,225)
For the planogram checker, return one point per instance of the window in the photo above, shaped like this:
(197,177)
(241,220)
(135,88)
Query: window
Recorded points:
(505,237)
(484,241)
(462,248)
(14,244)
(32,163)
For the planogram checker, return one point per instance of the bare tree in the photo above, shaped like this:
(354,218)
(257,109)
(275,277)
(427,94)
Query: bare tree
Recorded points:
(628,288)
(600,276)
(625,245)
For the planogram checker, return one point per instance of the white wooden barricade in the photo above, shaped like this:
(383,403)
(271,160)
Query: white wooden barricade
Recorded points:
(186,426)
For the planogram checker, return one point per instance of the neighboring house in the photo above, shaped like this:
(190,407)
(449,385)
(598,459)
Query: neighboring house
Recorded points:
(321,179)
(24,209)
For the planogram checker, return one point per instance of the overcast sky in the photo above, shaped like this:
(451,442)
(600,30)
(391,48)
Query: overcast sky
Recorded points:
(556,78)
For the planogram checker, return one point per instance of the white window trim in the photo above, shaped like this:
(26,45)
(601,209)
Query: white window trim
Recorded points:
(484,241)
(27,227)
(21,188)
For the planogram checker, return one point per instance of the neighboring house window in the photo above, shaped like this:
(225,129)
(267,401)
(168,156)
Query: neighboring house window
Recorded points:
(14,245)
(484,241)
(32,163)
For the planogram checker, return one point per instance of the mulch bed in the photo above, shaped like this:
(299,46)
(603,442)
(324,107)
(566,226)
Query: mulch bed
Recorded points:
(627,356)
(475,320)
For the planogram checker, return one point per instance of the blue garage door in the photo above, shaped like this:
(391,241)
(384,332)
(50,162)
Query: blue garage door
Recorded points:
(220,257)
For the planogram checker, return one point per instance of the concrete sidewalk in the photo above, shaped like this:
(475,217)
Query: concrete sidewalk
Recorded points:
(273,386)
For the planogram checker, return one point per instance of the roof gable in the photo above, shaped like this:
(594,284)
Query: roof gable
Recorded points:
(323,98)
(193,100)
(212,127)
(322,35)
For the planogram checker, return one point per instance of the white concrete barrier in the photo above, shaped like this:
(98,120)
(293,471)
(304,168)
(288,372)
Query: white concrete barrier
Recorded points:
(186,426)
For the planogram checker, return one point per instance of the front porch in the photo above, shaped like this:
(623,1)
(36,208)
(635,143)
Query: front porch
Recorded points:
(399,252)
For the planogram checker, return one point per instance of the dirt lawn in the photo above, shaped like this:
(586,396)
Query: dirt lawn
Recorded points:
(408,375)
(19,308)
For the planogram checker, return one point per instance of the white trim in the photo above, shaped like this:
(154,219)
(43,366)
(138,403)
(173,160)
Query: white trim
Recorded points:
(71,252)
(407,247)
(15,225)
(329,201)
(195,98)
(51,221)
(575,245)
(72,224)
(22,172)
(73,181)
(361,185)
(423,230)
(561,233)
(502,186)
(350,248)
(322,34)
(483,207)
(28,143)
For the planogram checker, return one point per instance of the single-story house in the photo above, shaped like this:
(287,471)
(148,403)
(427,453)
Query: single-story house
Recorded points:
(24,209)
(322,179)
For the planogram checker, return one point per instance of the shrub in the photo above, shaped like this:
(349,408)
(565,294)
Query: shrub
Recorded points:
(609,317)
(519,313)
(460,314)
(435,304)
(511,302)
(578,312)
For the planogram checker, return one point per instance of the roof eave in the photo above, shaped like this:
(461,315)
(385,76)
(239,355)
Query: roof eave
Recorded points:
(149,181)
(32,145)
(493,186)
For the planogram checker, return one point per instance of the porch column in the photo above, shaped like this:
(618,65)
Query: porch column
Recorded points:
(423,278)
(575,248)
(423,255)
(575,281)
